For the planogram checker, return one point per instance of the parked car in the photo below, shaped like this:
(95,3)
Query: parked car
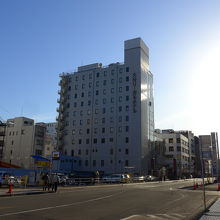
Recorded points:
(151,178)
(4,178)
(81,177)
(137,178)
(116,178)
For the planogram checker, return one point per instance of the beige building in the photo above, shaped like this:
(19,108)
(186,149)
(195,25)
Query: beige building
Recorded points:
(176,153)
(23,139)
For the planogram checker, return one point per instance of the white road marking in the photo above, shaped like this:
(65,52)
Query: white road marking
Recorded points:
(169,216)
(130,217)
(59,206)
(154,216)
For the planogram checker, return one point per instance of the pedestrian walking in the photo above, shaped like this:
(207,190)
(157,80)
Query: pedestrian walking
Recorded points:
(45,181)
(55,181)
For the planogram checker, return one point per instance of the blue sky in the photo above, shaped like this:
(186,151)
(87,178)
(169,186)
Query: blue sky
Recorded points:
(42,38)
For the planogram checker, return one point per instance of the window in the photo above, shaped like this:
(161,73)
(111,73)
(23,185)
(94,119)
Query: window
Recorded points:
(102,163)
(80,163)
(171,148)
(127,88)
(120,70)
(87,131)
(68,105)
(86,163)
(90,85)
(88,112)
(97,84)
(83,77)
(81,113)
(97,92)
(120,89)
(90,76)
(120,98)
(126,163)
(112,90)
(112,81)
(119,129)
(75,96)
(127,108)
(96,101)
(104,101)
(69,88)
(103,140)
(127,118)
(94,163)
(83,86)
(103,111)
(170,140)
(127,69)
(76,86)
(22,131)
(96,121)
(126,151)
(105,73)
(75,104)
(111,151)
(80,131)
(126,128)
(74,122)
(127,78)
(73,131)
(80,122)
(178,140)
(103,130)
(120,108)
(89,102)
(104,91)
(79,152)
(95,140)
(95,130)
(112,100)
(120,80)
(126,140)
(82,95)
(82,103)
(76,78)
(111,120)
(120,118)
(97,75)
(104,82)
(89,93)
(87,141)
(87,151)
(96,111)
(72,153)
(127,98)
(103,120)
(178,148)
(112,109)
(111,139)
(111,129)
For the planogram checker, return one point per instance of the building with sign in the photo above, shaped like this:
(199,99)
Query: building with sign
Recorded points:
(106,113)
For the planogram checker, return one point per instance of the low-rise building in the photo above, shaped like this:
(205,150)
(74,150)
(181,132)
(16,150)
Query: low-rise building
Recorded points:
(176,153)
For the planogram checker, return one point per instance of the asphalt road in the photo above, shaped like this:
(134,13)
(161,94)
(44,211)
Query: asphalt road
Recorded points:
(129,202)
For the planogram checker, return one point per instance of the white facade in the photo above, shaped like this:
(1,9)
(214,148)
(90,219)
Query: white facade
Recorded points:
(19,142)
(106,114)
(177,153)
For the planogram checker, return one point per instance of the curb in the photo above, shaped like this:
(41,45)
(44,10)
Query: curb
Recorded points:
(24,193)
(201,210)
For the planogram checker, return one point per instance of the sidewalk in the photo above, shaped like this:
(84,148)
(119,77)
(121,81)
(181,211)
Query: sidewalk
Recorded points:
(22,191)
(213,213)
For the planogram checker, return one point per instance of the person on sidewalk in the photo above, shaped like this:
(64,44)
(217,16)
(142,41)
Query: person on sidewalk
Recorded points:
(55,181)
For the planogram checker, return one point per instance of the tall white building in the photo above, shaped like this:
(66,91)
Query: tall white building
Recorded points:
(106,113)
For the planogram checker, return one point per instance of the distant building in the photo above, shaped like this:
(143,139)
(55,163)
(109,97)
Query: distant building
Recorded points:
(23,140)
(50,139)
(19,142)
(106,113)
(177,155)
(209,153)
(2,138)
